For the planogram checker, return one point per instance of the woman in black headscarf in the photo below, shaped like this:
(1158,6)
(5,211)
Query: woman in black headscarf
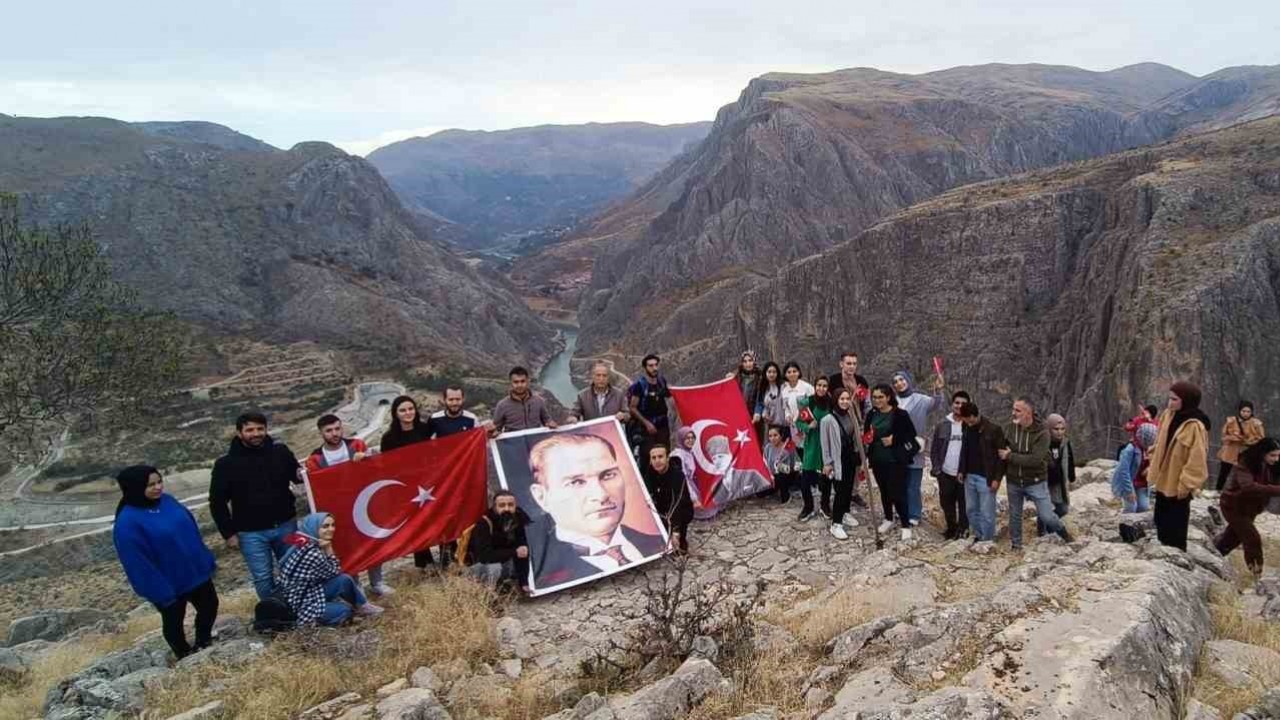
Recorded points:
(164,556)
(1179,462)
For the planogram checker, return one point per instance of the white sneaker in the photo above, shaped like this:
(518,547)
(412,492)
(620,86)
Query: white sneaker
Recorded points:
(382,589)
(914,522)
(885,526)
(850,521)
(906,534)
(369,610)
(838,532)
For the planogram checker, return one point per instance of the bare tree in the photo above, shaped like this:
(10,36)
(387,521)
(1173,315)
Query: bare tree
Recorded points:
(74,343)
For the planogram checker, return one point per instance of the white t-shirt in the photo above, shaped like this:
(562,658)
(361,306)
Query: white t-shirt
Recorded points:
(951,464)
(335,457)
(791,394)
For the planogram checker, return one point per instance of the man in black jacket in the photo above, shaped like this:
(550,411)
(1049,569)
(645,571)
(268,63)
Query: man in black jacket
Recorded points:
(251,500)
(980,470)
(498,549)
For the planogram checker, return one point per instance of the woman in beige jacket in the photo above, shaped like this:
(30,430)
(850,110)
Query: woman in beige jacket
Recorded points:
(1242,431)
(1179,463)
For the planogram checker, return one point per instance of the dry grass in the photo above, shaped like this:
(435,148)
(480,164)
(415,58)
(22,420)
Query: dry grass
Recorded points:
(426,624)
(844,609)
(760,679)
(1231,623)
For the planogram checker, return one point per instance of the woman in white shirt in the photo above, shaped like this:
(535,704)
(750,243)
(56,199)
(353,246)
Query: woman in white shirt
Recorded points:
(792,390)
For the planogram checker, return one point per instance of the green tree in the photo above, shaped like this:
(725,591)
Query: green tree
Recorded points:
(75,345)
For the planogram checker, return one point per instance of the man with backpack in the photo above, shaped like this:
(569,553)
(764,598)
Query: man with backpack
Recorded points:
(495,548)
(649,422)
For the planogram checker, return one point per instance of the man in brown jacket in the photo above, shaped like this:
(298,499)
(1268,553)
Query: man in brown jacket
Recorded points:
(1179,463)
(521,409)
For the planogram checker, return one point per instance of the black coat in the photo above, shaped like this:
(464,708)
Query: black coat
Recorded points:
(903,432)
(249,487)
(989,438)
(396,438)
(670,494)
(489,544)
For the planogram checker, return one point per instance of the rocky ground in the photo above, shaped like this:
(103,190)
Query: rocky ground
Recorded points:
(829,629)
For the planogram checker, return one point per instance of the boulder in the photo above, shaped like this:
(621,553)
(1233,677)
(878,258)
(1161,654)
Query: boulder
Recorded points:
(12,665)
(511,668)
(1197,710)
(412,704)
(816,698)
(227,654)
(706,648)
(1242,665)
(764,713)
(391,688)
(1102,464)
(208,711)
(875,686)
(844,648)
(952,703)
(331,708)
(673,696)
(1267,707)
(56,624)
(425,677)
(509,633)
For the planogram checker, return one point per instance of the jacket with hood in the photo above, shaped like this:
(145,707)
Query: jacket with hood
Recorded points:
(1237,436)
(1062,471)
(1179,466)
(918,406)
(161,550)
(1129,476)
(250,487)
(670,493)
(1028,461)
(491,545)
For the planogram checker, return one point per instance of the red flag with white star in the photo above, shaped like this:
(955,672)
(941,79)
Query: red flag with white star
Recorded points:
(727,456)
(392,504)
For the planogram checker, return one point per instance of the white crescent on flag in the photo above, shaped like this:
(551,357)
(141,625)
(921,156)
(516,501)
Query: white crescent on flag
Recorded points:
(360,511)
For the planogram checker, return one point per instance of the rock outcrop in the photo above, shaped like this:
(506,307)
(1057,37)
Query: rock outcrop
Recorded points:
(305,244)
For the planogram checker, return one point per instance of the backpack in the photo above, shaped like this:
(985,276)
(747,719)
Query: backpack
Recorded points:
(273,615)
(464,541)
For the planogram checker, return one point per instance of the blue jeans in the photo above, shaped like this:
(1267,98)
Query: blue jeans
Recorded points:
(261,548)
(980,505)
(1059,509)
(914,505)
(1141,504)
(1039,494)
(341,588)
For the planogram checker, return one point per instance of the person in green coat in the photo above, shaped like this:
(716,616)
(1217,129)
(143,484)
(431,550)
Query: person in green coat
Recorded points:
(812,409)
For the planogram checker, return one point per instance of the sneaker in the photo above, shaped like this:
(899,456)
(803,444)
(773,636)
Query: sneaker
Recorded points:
(805,515)
(838,532)
(382,589)
(906,534)
(850,521)
(784,499)
(885,526)
(914,522)
(369,610)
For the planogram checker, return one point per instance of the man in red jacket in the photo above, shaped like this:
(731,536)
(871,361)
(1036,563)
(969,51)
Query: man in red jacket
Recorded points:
(335,451)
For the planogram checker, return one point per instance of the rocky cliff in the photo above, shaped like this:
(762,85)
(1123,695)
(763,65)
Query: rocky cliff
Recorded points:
(513,182)
(305,244)
(1090,286)
(801,163)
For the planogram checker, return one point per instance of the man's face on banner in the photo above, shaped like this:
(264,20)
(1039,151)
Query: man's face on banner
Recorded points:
(581,487)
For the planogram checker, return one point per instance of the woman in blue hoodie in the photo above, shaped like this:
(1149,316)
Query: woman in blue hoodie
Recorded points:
(165,557)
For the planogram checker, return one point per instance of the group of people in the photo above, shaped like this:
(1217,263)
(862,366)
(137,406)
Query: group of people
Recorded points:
(828,436)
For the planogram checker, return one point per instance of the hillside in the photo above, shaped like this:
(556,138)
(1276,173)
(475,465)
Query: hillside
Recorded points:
(1090,286)
(801,163)
(504,184)
(305,244)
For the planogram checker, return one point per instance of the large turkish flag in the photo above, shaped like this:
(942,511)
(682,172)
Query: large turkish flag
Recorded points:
(728,460)
(394,503)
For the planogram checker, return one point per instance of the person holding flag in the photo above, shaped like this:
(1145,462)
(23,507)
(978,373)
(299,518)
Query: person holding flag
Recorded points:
(812,410)
(918,406)
(891,441)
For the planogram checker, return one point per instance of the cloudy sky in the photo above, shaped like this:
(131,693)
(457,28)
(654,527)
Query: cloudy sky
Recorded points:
(361,75)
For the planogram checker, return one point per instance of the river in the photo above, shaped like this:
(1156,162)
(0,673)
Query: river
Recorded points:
(556,376)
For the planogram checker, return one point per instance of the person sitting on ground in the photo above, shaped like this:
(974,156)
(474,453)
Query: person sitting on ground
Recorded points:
(335,451)
(497,550)
(1129,481)
(664,478)
(1062,468)
(312,579)
(1253,484)
(685,439)
(164,557)
(781,458)
(1179,463)
(1241,431)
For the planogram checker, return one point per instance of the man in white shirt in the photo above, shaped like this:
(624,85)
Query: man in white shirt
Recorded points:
(579,484)
(944,462)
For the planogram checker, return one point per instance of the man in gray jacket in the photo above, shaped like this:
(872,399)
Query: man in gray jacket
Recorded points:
(1026,458)
(602,399)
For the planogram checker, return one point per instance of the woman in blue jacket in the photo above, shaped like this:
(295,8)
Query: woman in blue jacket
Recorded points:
(165,557)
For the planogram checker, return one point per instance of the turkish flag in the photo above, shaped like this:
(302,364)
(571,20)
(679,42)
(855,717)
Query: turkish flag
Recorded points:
(728,460)
(392,504)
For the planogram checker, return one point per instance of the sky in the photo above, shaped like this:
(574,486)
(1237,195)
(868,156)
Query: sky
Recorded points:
(362,75)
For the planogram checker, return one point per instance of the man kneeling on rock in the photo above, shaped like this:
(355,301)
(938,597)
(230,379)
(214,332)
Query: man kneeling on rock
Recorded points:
(497,550)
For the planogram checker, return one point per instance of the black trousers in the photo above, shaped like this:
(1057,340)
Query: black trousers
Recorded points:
(423,558)
(824,489)
(808,478)
(205,600)
(891,478)
(844,497)
(1224,469)
(951,496)
(1172,517)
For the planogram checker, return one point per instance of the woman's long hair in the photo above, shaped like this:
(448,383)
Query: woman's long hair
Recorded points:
(1240,408)
(395,430)
(788,366)
(1254,458)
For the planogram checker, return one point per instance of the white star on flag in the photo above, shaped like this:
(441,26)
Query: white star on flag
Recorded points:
(424,496)
(742,438)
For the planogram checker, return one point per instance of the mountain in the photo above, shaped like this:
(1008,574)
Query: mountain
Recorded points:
(205,132)
(1090,287)
(304,244)
(801,163)
(514,182)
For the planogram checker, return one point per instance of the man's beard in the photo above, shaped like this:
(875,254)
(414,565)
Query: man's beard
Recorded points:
(507,523)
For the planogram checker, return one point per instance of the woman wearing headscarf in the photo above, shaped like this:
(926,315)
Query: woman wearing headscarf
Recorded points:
(750,379)
(1240,432)
(407,428)
(164,557)
(918,406)
(313,582)
(685,438)
(1062,468)
(890,439)
(1129,481)
(1250,488)
(1179,462)
(808,422)
(842,455)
